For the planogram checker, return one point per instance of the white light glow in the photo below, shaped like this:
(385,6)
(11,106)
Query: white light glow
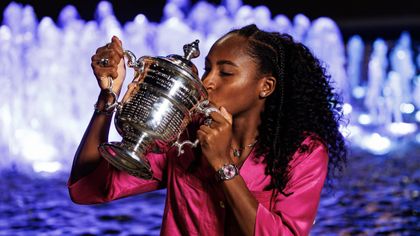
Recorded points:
(175,88)
(351,131)
(34,146)
(407,108)
(49,167)
(402,128)
(344,131)
(159,110)
(5,33)
(347,108)
(140,19)
(400,54)
(359,92)
(365,119)
(376,144)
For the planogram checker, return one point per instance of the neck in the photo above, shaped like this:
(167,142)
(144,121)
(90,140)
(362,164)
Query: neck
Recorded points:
(245,129)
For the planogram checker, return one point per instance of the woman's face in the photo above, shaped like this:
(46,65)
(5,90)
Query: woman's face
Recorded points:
(231,75)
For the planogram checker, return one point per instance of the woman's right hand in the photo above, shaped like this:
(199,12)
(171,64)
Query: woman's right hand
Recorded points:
(108,62)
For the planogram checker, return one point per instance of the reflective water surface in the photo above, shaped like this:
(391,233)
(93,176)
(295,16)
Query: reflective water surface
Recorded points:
(377,195)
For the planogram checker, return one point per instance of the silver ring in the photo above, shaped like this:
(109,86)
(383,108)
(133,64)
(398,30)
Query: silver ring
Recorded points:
(208,122)
(104,61)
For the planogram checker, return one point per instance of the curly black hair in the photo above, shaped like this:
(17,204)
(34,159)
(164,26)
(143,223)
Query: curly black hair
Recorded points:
(303,104)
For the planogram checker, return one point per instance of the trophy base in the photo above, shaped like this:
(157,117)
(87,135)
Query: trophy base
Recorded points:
(123,159)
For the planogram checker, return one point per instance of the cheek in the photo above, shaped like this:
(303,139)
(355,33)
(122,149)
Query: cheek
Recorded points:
(236,98)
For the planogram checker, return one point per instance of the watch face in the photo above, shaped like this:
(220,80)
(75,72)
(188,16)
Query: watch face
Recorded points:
(229,171)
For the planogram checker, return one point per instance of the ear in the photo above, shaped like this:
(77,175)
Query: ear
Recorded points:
(267,86)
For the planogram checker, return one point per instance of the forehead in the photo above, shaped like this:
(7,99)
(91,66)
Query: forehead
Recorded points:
(231,47)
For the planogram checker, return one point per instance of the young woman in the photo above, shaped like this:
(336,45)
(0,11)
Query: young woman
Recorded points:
(276,137)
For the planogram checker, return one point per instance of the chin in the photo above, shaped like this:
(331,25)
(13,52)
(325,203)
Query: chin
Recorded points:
(213,103)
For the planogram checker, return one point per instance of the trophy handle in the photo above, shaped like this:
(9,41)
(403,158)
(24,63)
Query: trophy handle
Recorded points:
(204,108)
(132,63)
(180,145)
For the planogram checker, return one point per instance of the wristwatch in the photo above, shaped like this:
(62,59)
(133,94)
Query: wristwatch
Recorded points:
(227,172)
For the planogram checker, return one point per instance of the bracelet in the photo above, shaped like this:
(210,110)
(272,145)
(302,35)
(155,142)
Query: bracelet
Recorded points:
(109,107)
(108,111)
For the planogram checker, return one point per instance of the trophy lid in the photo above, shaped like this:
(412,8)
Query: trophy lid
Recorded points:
(184,62)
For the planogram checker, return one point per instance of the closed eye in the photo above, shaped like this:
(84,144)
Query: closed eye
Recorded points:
(223,73)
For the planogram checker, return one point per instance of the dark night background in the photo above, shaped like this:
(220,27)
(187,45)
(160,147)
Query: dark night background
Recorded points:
(368,18)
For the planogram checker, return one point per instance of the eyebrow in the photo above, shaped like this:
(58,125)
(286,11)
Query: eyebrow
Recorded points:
(222,62)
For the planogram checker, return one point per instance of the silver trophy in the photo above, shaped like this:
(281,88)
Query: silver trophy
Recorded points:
(160,102)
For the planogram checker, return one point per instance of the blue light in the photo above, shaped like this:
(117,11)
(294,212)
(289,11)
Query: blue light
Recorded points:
(401,129)
(347,108)
(364,119)
(50,130)
(377,144)
(359,92)
(407,108)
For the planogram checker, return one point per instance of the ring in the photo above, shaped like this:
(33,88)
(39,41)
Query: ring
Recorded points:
(104,61)
(208,122)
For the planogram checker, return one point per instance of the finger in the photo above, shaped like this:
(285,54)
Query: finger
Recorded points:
(112,61)
(206,129)
(101,49)
(207,132)
(116,40)
(117,45)
(106,48)
(114,74)
(98,68)
(202,137)
(107,53)
(226,115)
(111,48)
(104,72)
(218,118)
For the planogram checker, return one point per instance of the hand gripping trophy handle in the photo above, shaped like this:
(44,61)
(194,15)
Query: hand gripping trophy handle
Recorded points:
(132,63)
(204,108)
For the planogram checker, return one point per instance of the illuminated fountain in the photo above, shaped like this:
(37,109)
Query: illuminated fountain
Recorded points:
(49,86)
(355,48)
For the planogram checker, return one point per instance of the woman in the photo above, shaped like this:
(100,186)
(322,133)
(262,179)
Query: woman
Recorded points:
(270,147)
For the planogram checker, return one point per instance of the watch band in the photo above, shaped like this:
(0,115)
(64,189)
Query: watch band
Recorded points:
(226,172)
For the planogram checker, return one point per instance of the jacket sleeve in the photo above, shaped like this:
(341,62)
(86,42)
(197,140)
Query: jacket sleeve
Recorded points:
(295,214)
(106,183)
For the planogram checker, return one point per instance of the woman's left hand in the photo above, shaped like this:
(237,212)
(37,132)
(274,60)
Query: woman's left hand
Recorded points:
(215,139)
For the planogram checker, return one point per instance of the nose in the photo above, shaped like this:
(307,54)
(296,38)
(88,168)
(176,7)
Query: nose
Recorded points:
(208,82)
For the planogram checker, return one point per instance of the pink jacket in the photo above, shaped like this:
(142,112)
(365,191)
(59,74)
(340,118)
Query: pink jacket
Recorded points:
(195,204)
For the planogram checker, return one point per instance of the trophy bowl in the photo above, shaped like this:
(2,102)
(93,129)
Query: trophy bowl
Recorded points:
(166,93)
